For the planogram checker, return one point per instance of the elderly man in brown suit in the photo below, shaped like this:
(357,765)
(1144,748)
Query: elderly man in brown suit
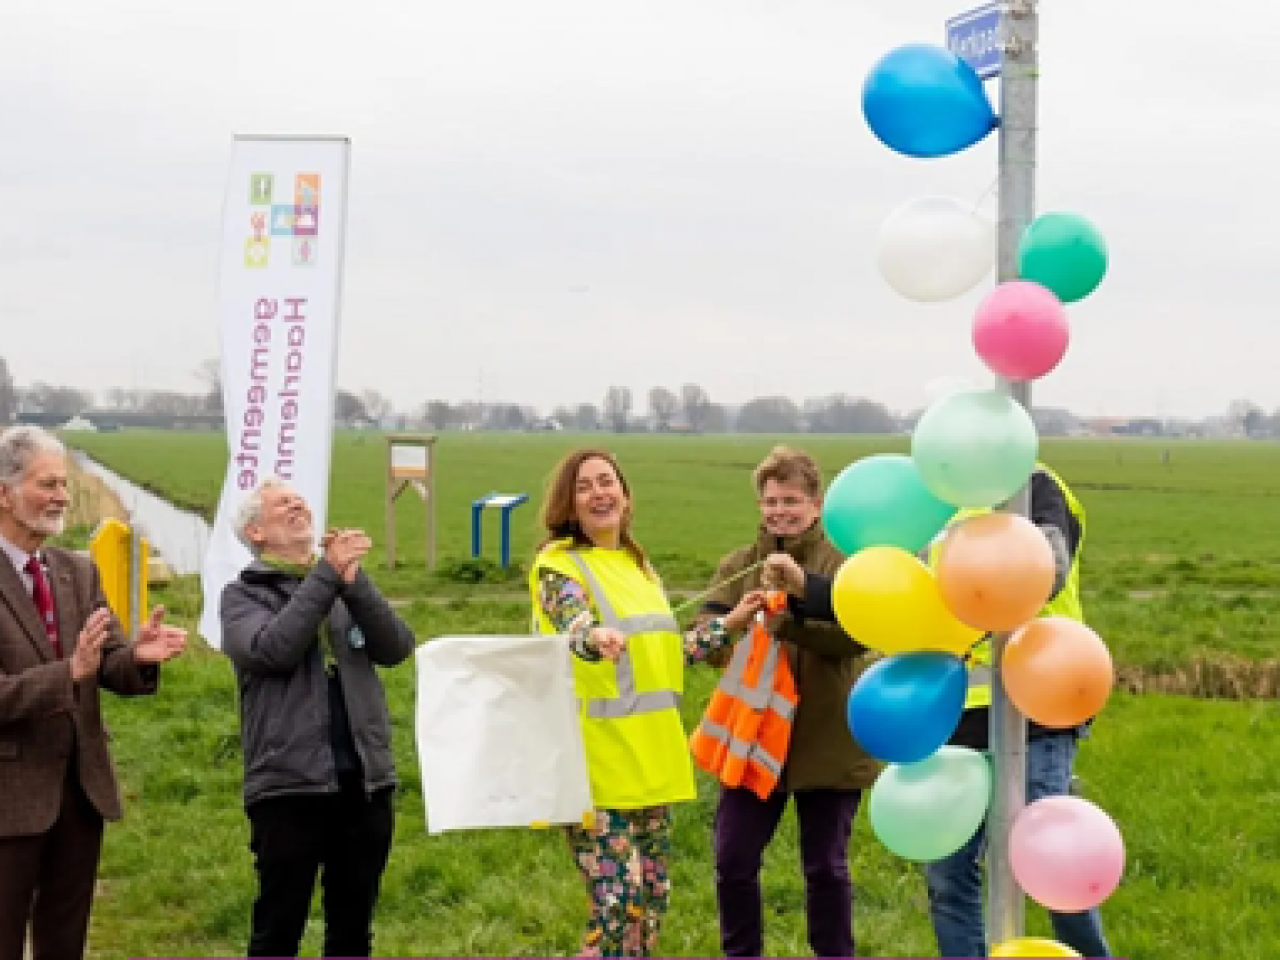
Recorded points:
(59,643)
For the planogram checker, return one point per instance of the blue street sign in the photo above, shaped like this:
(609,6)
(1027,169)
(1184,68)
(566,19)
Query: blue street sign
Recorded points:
(974,36)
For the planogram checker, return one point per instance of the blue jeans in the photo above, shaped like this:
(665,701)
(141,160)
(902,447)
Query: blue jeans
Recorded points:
(955,883)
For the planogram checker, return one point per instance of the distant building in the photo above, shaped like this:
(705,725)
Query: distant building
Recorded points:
(1140,427)
(1222,427)
(544,425)
(1055,422)
(79,424)
(121,419)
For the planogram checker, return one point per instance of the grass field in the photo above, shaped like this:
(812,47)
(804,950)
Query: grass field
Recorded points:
(1182,558)
(1182,565)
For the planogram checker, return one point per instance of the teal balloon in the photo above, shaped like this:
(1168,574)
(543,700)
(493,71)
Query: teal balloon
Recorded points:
(975,448)
(882,501)
(928,810)
(1064,252)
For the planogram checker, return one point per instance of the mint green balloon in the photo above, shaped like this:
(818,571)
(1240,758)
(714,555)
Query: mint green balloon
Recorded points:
(881,501)
(928,810)
(1064,252)
(975,448)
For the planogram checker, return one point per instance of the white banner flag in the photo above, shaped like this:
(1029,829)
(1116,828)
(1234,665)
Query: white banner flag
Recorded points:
(279,298)
(499,743)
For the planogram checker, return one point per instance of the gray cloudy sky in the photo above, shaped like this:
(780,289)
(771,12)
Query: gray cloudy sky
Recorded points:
(550,196)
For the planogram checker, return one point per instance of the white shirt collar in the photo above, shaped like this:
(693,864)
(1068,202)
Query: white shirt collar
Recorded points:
(17,556)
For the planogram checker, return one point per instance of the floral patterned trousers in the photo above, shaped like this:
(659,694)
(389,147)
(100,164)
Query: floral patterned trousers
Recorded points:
(623,859)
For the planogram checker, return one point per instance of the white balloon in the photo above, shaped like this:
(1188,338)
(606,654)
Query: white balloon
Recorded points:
(935,248)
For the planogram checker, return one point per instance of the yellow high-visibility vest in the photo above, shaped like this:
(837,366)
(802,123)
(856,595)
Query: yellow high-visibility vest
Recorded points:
(637,750)
(1065,604)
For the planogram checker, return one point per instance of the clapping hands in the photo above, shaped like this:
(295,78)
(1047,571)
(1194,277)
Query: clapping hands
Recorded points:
(156,641)
(344,549)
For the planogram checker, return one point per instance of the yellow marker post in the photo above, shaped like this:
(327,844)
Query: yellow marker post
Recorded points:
(122,568)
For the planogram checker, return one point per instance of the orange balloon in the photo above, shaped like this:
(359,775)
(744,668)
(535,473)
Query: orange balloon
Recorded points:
(995,571)
(1057,671)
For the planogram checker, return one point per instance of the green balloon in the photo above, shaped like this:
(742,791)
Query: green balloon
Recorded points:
(881,500)
(928,810)
(975,448)
(1064,252)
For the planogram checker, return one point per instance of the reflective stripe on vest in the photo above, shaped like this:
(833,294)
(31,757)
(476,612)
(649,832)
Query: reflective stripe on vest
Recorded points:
(741,749)
(978,689)
(1067,603)
(762,696)
(628,702)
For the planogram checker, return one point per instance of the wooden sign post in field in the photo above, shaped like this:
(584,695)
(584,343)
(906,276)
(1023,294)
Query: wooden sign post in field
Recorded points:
(411,462)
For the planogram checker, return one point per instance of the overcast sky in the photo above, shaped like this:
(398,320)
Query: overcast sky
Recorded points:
(552,196)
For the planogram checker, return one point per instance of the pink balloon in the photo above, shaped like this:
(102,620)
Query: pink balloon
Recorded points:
(1066,853)
(1020,330)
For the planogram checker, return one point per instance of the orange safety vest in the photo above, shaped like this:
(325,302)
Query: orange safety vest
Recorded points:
(743,737)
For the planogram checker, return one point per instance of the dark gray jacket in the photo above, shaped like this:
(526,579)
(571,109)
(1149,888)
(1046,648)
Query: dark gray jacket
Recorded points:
(270,630)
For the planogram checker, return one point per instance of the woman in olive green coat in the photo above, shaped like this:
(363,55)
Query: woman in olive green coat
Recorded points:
(825,771)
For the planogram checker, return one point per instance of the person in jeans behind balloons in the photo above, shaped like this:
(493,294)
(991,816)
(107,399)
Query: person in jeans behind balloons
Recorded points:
(955,882)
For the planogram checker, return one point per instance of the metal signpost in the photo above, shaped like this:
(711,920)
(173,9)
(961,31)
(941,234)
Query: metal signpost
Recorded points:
(999,39)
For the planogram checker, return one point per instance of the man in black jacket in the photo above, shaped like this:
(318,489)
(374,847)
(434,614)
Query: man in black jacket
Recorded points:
(305,634)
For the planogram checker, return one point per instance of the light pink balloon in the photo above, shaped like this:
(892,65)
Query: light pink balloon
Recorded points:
(1020,330)
(1066,853)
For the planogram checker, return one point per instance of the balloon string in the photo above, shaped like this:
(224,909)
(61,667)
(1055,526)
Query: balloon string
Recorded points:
(986,193)
(698,598)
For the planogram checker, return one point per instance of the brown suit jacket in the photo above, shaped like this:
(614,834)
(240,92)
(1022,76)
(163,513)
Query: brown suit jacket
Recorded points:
(46,721)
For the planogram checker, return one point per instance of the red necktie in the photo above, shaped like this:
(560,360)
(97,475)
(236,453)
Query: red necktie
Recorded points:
(44,602)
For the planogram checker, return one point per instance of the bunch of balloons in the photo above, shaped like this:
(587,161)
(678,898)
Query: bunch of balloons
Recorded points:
(932,566)
(983,571)
(923,101)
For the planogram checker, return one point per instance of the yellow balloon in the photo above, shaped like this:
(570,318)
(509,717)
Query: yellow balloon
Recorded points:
(888,600)
(1033,947)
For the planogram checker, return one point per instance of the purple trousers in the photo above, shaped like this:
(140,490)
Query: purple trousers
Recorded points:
(744,826)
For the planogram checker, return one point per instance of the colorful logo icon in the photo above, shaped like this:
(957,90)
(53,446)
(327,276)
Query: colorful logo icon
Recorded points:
(306,221)
(306,190)
(260,187)
(257,251)
(257,248)
(282,220)
(304,252)
(299,221)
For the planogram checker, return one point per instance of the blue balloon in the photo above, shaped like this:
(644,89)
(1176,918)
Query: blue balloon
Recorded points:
(924,101)
(882,501)
(903,708)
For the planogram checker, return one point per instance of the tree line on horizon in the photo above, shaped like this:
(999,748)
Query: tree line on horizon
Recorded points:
(687,410)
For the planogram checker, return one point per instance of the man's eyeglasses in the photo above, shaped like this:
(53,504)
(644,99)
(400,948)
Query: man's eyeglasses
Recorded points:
(789,503)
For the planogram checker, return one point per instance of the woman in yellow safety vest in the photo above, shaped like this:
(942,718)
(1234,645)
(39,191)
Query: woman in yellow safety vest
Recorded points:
(592,583)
